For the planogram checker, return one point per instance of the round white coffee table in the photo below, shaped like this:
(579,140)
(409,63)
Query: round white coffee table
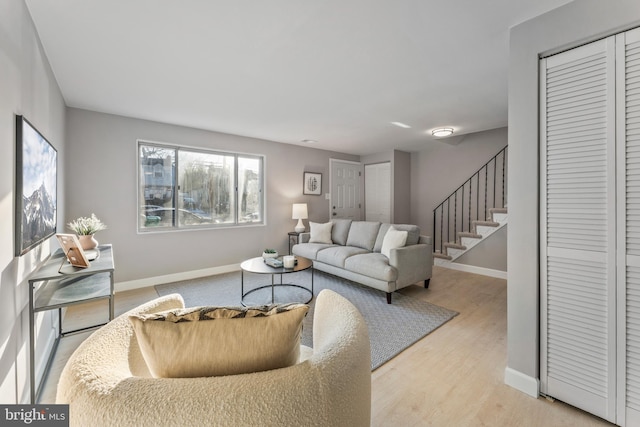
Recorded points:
(258,266)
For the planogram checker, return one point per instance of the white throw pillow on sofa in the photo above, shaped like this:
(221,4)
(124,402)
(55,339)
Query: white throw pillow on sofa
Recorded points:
(320,233)
(393,239)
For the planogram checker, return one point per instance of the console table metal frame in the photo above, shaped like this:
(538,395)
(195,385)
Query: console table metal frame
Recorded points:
(56,285)
(303,264)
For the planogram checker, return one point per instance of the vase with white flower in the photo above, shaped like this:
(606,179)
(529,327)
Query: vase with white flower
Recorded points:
(86,228)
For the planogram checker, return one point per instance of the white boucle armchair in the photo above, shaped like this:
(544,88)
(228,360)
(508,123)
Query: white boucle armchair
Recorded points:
(106,381)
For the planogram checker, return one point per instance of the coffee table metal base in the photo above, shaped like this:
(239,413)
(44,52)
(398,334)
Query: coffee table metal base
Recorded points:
(273,299)
(248,267)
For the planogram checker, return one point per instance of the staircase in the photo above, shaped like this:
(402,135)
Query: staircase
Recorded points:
(496,219)
(473,212)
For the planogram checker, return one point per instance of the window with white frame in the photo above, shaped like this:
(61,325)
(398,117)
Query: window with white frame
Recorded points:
(181,187)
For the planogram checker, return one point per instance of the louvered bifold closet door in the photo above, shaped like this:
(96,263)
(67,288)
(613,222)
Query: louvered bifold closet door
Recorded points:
(578,238)
(628,116)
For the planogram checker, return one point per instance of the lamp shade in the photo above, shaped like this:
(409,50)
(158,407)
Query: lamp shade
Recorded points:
(299,212)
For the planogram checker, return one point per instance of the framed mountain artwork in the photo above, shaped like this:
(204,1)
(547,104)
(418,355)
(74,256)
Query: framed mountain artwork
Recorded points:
(36,187)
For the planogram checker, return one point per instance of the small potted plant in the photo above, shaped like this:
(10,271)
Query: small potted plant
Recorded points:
(85,228)
(269,253)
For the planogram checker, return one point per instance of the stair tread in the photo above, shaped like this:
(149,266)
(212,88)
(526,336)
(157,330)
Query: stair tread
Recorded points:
(443,256)
(498,210)
(454,246)
(486,223)
(468,234)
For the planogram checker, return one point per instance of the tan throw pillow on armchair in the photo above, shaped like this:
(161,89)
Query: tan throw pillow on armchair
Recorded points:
(213,341)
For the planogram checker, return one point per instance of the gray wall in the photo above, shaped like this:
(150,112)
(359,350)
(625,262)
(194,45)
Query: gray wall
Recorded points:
(567,26)
(27,87)
(102,152)
(490,253)
(401,188)
(438,170)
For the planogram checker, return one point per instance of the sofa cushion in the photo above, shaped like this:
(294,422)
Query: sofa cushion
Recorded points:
(413,233)
(320,233)
(384,227)
(309,250)
(393,239)
(363,234)
(372,265)
(412,237)
(337,255)
(340,231)
(213,341)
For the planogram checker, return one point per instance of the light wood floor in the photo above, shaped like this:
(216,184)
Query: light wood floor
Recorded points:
(452,377)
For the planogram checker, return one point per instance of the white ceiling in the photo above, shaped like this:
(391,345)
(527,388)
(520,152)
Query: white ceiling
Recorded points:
(335,71)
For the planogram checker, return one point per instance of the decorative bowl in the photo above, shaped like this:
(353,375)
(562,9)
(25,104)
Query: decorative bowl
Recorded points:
(270,253)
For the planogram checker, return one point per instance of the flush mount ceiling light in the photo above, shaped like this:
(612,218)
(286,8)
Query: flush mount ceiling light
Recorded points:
(441,132)
(401,125)
(309,141)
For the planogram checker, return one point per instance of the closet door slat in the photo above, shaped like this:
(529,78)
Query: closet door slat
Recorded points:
(629,113)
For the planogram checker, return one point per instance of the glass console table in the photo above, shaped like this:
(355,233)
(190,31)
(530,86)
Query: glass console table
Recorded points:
(56,285)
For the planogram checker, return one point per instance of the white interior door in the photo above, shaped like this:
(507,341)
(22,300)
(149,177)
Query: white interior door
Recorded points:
(578,228)
(345,189)
(377,192)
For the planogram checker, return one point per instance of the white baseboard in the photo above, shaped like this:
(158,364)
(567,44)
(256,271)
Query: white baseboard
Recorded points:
(522,382)
(176,277)
(474,269)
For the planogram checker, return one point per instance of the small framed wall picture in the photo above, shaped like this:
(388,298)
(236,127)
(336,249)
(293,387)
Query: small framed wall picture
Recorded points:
(312,183)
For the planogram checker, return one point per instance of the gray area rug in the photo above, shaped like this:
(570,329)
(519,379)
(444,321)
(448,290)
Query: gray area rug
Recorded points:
(392,327)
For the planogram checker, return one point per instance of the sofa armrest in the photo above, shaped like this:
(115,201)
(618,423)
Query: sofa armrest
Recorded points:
(304,237)
(414,263)
(425,239)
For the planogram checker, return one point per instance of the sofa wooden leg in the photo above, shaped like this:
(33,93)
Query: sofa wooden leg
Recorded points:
(426,283)
(388,297)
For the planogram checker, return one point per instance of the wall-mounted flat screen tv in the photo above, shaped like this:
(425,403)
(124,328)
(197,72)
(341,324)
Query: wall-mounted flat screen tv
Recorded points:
(36,187)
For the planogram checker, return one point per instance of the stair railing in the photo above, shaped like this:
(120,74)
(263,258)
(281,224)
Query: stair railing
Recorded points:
(484,190)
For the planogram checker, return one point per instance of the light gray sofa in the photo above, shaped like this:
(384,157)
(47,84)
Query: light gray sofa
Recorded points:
(354,254)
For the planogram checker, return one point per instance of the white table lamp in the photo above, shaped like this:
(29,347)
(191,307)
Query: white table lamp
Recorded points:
(299,212)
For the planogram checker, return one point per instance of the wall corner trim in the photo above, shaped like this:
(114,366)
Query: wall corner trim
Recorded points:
(522,382)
